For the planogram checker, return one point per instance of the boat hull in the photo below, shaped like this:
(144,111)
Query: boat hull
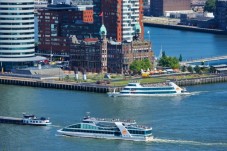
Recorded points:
(148,95)
(37,124)
(111,137)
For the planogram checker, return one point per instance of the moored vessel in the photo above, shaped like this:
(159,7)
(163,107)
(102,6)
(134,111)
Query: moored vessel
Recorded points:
(33,120)
(92,127)
(163,89)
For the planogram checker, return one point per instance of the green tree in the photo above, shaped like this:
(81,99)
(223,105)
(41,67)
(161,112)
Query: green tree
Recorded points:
(163,54)
(183,68)
(180,58)
(197,69)
(210,6)
(171,62)
(145,64)
(190,69)
(137,65)
(212,69)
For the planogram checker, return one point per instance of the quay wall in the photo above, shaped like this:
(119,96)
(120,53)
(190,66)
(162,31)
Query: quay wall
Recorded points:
(57,85)
(187,28)
(198,81)
(99,88)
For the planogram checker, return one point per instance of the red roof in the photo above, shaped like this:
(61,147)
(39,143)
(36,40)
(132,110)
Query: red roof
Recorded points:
(91,39)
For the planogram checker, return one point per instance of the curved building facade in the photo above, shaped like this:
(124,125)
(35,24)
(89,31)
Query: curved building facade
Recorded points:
(17,28)
(17,42)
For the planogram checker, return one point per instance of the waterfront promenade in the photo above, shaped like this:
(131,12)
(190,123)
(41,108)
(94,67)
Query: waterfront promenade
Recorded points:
(204,60)
(97,88)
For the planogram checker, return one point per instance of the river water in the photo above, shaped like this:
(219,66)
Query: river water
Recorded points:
(191,45)
(196,122)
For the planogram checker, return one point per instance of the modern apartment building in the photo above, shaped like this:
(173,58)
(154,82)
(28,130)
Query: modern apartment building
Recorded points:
(159,7)
(221,14)
(119,17)
(17,47)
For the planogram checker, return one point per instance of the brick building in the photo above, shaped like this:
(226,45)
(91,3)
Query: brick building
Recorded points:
(52,24)
(107,55)
(159,7)
(89,54)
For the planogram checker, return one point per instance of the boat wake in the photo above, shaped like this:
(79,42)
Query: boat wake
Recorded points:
(54,126)
(187,142)
(198,92)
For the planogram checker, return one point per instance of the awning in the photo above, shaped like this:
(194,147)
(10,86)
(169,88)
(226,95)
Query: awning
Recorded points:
(28,59)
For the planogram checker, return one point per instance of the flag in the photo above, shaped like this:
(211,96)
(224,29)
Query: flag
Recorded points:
(101,14)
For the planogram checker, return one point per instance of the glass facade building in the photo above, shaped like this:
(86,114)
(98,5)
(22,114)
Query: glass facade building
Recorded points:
(17,43)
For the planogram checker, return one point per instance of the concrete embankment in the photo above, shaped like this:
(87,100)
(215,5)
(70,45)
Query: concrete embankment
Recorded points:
(95,87)
(89,87)
(188,28)
(197,81)
(173,23)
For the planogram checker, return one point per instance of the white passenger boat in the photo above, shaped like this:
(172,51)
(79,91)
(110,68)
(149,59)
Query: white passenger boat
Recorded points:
(33,120)
(135,89)
(92,127)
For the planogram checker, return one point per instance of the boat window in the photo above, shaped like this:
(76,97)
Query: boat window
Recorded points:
(131,84)
(75,126)
(136,132)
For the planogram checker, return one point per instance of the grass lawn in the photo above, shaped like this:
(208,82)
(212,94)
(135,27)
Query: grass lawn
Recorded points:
(190,76)
(119,80)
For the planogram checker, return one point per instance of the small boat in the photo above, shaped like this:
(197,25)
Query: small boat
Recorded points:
(164,89)
(33,120)
(92,127)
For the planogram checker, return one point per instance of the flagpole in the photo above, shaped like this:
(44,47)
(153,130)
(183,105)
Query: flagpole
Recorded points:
(149,35)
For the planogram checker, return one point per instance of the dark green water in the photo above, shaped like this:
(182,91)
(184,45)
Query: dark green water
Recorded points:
(196,122)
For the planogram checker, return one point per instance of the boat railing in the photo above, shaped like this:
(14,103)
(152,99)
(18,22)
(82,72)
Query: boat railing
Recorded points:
(134,81)
(113,120)
(156,85)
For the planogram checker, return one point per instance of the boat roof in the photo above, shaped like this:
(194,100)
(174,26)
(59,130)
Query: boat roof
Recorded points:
(129,121)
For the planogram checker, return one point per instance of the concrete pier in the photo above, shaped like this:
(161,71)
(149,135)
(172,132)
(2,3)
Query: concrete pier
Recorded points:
(89,87)
(11,120)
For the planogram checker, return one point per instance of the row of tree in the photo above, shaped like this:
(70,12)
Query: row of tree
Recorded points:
(198,69)
(164,61)
(171,62)
(137,65)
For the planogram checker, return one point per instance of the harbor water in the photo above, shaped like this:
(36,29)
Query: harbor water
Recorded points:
(195,122)
(191,45)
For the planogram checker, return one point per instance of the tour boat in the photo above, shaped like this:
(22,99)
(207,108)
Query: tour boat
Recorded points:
(92,127)
(164,89)
(33,120)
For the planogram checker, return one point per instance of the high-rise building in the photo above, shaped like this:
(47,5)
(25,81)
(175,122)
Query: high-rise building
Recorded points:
(221,14)
(159,7)
(119,17)
(17,44)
